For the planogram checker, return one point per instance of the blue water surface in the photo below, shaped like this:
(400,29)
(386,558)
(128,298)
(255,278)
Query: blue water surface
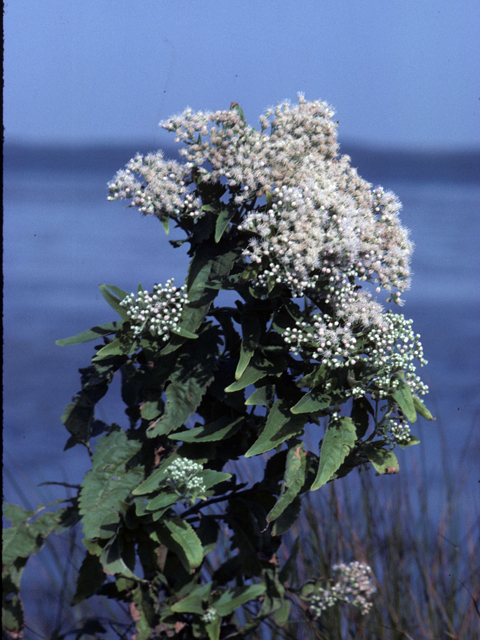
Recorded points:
(62,238)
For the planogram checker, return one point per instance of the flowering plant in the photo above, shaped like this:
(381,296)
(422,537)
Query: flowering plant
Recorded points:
(280,219)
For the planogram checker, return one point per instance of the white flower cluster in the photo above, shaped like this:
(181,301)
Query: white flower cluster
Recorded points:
(159,312)
(183,477)
(393,349)
(210,615)
(322,230)
(399,430)
(354,586)
(162,190)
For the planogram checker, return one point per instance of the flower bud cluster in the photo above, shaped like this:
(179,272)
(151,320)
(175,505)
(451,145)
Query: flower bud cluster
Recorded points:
(210,615)
(157,313)
(354,586)
(183,477)
(162,188)
(391,350)
(399,430)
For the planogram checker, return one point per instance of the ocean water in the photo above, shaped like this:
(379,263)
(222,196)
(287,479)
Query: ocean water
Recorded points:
(62,238)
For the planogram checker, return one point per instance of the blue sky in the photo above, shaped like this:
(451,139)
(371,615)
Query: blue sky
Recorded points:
(397,73)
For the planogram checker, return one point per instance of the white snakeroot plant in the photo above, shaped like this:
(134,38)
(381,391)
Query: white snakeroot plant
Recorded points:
(284,223)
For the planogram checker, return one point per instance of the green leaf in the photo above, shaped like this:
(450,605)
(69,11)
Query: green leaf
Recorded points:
(280,425)
(311,402)
(194,371)
(180,537)
(108,484)
(92,334)
(78,416)
(263,396)
(220,429)
(162,501)
(193,602)
(213,628)
(117,347)
(251,331)
(113,295)
(183,333)
(422,409)
(153,482)
(145,606)
(210,477)
(411,441)
(403,397)
(234,597)
(338,442)
(287,518)
(152,409)
(384,462)
(293,481)
(117,555)
(165,220)
(259,368)
(288,568)
(90,578)
(27,537)
(236,107)
(223,220)
(361,409)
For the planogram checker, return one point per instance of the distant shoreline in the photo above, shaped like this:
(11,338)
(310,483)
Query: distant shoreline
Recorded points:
(374,163)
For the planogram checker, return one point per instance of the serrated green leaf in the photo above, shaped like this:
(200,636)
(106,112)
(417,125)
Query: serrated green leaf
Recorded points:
(293,481)
(361,409)
(145,608)
(113,295)
(78,416)
(287,518)
(152,409)
(251,331)
(194,371)
(92,334)
(162,501)
(234,597)
(117,555)
(210,477)
(213,628)
(154,481)
(220,429)
(108,484)
(27,537)
(311,402)
(180,537)
(338,442)
(403,397)
(280,426)
(223,220)
(90,578)
(315,378)
(263,396)
(422,409)
(259,368)
(384,461)
(115,348)
(193,602)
